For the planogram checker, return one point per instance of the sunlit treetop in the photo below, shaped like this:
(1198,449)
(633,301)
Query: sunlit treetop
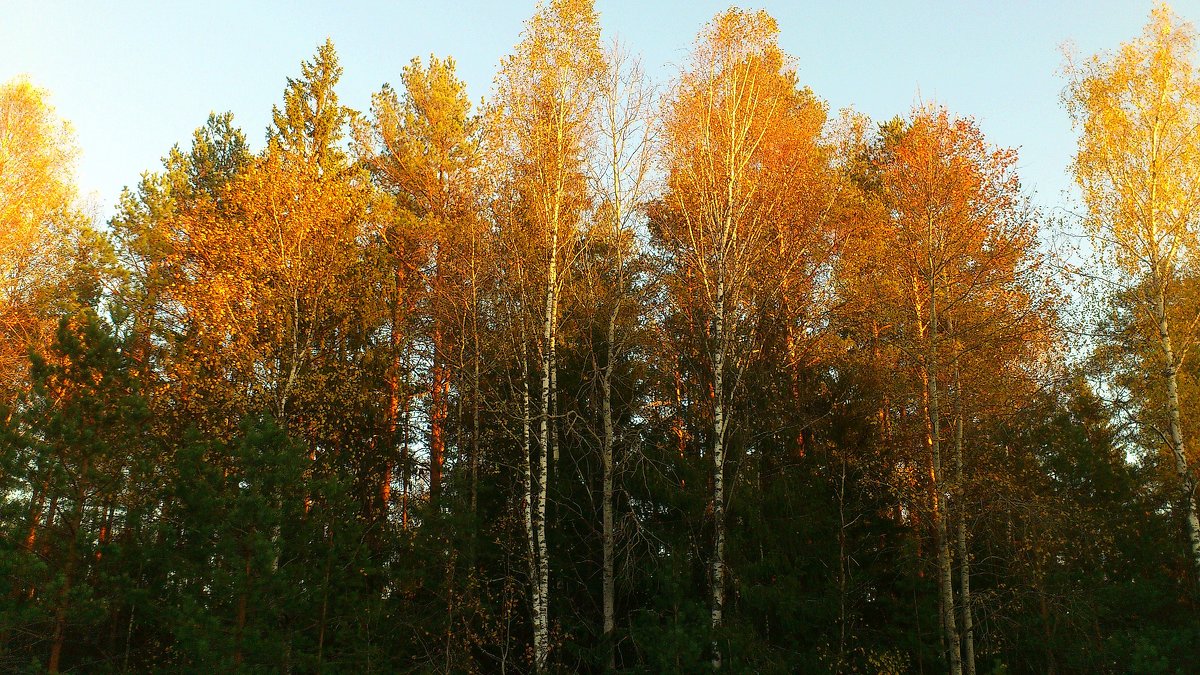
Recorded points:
(1138,162)
(309,128)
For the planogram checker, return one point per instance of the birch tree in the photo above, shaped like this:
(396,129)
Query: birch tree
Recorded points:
(735,126)
(952,279)
(1138,167)
(620,183)
(40,222)
(543,115)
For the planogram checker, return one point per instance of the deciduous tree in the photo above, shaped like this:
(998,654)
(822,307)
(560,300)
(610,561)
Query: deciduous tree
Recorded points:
(543,114)
(1138,166)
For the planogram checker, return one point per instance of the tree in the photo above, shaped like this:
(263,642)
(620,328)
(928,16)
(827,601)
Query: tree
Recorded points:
(623,149)
(146,241)
(1138,169)
(423,148)
(311,124)
(42,228)
(543,115)
(79,450)
(949,275)
(738,134)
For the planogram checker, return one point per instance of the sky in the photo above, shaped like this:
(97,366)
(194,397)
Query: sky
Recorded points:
(135,78)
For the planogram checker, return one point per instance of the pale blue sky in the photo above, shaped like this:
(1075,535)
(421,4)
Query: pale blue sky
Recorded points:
(134,78)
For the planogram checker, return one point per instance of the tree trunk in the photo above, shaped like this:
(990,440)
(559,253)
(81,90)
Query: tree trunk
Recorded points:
(437,416)
(474,388)
(475,434)
(533,505)
(1187,480)
(393,411)
(719,414)
(553,416)
(541,579)
(843,565)
(324,607)
(405,447)
(1047,628)
(964,558)
(128,639)
(37,501)
(608,534)
(945,576)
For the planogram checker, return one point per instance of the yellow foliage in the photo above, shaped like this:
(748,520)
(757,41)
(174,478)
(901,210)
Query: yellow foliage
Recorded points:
(1138,162)
(38,221)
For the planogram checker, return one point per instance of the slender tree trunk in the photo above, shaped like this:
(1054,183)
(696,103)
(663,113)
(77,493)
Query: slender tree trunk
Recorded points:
(527,464)
(964,558)
(405,448)
(475,432)
(37,501)
(534,513)
(450,595)
(607,457)
(1187,480)
(474,386)
(106,518)
(553,439)
(60,617)
(437,415)
(719,414)
(393,411)
(128,639)
(677,423)
(324,618)
(945,575)
(541,581)
(541,555)
(1047,628)
(843,565)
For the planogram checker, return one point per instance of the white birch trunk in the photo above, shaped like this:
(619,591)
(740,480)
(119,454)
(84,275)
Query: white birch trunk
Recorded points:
(541,580)
(1178,449)
(719,414)
(964,569)
(532,500)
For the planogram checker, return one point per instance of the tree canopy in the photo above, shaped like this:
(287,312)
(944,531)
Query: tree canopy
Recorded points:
(606,375)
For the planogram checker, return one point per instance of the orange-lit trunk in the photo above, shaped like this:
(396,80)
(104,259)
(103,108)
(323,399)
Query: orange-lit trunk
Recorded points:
(35,513)
(385,490)
(405,459)
(390,442)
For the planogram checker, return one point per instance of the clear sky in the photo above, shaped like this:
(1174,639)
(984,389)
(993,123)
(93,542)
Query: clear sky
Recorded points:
(136,77)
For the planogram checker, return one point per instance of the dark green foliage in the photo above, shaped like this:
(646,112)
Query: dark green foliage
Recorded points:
(78,466)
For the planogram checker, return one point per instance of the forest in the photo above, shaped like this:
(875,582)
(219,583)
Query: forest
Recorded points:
(602,374)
